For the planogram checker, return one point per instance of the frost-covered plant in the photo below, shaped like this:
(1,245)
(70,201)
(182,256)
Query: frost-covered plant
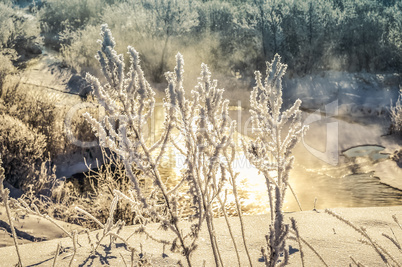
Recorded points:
(396,115)
(384,254)
(56,16)
(6,67)
(22,149)
(277,132)
(14,26)
(104,180)
(207,131)
(4,192)
(38,111)
(128,102)
(204,124)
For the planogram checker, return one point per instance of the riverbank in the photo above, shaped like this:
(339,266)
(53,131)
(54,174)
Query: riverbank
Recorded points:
(334,241)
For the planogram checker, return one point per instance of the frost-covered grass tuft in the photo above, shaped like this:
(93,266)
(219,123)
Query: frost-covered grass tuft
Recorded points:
(396,116)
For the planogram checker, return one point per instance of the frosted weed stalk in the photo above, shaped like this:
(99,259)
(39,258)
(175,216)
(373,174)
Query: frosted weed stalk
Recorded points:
(385,256)
(128,102)
(396,115)
(271,151)
(209,151)
(4,192)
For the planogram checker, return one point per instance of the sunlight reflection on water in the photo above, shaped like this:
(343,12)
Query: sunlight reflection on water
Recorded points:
(334,186)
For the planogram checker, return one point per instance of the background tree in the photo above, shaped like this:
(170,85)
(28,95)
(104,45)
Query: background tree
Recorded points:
(239,36)
(172,18)
(269,22)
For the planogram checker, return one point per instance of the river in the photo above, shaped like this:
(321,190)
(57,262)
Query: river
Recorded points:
(343,177)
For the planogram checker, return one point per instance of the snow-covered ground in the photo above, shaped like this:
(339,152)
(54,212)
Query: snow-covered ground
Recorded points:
(334,240)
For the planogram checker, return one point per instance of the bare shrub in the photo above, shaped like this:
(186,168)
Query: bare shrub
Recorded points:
(18,32)
(96,190)
(77,51)
(77,126)
(39,111)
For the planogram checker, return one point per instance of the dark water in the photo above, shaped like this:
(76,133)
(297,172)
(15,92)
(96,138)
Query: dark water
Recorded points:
(354,190)
(320,190)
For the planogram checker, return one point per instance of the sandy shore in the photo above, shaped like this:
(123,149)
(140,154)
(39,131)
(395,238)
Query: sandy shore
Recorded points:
(334,240)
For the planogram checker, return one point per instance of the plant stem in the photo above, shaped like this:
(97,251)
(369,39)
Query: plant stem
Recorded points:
(229,228)
(4,194)
(239,212)
(294,194)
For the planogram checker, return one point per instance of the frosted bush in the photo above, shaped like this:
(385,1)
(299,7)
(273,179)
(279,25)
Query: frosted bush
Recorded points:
(209,149)
(6,67)
(77,50)
(38,111)
(128,101)
(17,31)
(21,148)
(56,15)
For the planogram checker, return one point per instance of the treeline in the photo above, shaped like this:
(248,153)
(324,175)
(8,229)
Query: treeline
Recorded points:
(233,37)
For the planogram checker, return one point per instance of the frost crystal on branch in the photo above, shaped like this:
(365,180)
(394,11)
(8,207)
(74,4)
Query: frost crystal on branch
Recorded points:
(396,115)
(128,101)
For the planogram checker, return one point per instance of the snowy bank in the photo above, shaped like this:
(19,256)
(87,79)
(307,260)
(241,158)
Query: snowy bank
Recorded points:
(333,240)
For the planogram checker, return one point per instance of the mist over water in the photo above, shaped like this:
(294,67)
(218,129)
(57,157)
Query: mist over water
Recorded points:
(316,183)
